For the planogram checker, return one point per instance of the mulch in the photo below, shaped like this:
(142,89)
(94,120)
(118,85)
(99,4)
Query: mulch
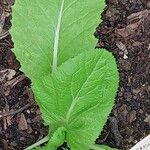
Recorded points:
(125,31)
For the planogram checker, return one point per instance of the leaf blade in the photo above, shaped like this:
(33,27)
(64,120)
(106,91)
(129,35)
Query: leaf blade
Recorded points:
(37,32)
(90,91)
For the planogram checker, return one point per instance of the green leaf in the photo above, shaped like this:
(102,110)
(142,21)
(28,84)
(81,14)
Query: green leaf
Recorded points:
(47,33)
(79,96)
(57,139)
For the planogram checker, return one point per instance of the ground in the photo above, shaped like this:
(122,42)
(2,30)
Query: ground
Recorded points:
(125,31)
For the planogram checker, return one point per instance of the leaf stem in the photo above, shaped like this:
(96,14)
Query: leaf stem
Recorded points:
(101,147)
(56,40)
(45,139)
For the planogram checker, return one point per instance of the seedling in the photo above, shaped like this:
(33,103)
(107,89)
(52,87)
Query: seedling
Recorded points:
(74,85)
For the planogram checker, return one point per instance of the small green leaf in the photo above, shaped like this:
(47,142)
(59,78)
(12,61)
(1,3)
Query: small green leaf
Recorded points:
(57,139)
(79,96)
(47,33)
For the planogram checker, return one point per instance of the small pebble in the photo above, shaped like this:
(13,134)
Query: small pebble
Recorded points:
(28,111)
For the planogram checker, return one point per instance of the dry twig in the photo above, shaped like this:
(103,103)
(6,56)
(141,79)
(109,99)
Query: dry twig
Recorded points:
(11,113)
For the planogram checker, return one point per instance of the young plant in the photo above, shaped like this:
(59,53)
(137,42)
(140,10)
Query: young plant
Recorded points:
(74,85)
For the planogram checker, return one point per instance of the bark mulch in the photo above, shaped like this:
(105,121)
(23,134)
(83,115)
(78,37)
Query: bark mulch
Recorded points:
(125,32)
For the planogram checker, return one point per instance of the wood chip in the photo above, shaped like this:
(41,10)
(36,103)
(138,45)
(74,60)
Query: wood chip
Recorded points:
(129,30)
(147,119)
(3,34)
(2,21)
(29,130)
(4,121)
(121,46)
(22,125)
(7,74)
(139,15)
(132,116)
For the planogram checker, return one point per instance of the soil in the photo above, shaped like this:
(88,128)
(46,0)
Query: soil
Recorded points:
(125,31)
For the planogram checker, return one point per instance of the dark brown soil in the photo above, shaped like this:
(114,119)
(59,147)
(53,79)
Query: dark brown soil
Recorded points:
(125,31)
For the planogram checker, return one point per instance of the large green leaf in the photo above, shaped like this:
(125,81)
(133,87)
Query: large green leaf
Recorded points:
(79,96)
(48,32)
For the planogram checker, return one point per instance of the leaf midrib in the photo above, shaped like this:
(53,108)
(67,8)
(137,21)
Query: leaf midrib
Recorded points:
(56,39)
(76,97)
